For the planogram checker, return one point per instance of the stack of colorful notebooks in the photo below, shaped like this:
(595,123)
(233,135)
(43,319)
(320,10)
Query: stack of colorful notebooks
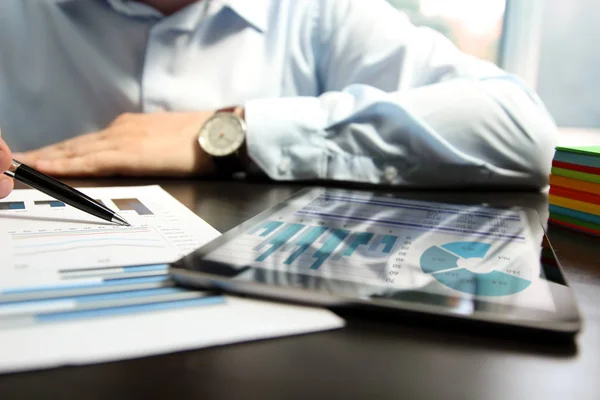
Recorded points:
(575,188)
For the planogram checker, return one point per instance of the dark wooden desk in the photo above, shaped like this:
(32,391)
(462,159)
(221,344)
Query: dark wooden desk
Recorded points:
(370,359)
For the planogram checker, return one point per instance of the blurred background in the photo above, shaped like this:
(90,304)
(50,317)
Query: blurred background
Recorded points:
(549,43)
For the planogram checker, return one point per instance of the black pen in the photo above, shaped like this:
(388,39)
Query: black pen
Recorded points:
(62,192)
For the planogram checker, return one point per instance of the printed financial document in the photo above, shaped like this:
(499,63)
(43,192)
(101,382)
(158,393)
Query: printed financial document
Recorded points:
(39,233)
(75,289)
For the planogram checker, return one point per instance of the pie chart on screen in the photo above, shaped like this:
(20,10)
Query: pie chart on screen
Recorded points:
(470,267)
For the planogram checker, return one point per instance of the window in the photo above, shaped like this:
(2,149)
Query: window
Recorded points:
(568,74)
(549,43)
(475,26)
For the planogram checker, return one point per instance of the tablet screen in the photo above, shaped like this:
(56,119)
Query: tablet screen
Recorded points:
(368,246)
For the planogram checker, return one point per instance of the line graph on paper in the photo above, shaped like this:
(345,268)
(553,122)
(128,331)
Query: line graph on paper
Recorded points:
(101,245)
(40,234)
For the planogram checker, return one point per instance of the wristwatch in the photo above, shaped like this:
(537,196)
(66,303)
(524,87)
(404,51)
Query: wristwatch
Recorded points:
(223,138)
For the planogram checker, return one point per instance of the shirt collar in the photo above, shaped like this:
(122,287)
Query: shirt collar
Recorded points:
(133,8)
(255,12)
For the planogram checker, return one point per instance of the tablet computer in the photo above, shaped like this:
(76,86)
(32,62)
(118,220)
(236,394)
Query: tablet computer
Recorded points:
(347,248)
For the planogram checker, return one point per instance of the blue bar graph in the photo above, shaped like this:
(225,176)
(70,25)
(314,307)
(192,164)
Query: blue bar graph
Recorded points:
(305,242)
(322,241)
(85,284)
(141,268)
(361,238)
(388,242)
(12,205)
(267,228)
(335,239)
(128,309)
(280,239)
(51,203)
(90,298)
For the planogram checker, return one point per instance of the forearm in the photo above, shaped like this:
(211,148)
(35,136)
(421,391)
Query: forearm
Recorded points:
(460,132)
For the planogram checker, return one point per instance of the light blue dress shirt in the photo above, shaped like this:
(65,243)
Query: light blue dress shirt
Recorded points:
(333,89)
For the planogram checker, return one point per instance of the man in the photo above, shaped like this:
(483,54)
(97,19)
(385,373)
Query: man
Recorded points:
(328,90)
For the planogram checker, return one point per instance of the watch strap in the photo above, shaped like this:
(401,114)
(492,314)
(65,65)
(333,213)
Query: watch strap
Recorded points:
(229,165)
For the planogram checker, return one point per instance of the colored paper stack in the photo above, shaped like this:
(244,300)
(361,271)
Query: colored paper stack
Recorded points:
(575,188)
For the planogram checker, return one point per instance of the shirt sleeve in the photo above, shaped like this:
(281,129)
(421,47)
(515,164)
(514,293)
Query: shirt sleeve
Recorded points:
(401,105)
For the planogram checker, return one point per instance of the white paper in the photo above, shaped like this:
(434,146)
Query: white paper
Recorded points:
(76,290)
(45,238)
(100,340)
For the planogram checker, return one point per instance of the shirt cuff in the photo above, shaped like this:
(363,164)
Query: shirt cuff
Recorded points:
(288,138)
(285,138)
(292,139)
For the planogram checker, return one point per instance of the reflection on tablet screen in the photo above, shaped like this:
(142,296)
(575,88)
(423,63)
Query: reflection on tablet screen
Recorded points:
(470,260)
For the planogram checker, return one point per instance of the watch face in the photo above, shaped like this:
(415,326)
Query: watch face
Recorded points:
(222,135)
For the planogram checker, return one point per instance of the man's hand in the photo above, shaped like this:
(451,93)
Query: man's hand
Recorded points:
(6,183)
(133,144)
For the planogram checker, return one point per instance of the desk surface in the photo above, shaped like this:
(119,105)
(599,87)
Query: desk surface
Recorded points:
(371,358)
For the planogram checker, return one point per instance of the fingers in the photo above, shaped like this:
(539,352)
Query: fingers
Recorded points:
(6,183)
(93,154)
(95,164)
(5,155)
(6,186)
(72,148)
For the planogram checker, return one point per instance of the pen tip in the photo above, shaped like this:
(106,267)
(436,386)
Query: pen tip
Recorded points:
(117,219)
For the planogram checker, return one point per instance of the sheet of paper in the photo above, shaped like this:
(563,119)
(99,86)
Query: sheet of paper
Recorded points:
(39,233)
(74,289)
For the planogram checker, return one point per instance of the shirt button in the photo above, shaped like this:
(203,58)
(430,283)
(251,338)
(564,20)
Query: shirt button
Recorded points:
(390,173)
(284,165)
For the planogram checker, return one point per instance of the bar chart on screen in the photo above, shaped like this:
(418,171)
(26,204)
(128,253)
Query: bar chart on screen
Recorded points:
(394,243)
